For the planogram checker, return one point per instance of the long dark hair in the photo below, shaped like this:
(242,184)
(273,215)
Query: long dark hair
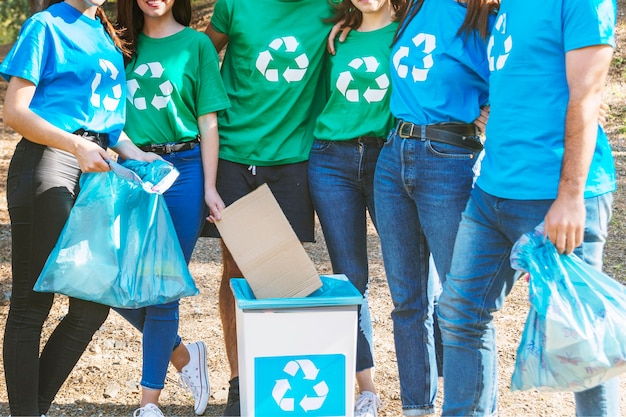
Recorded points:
(130,20)
(114,33)
(352,17)
(476,18)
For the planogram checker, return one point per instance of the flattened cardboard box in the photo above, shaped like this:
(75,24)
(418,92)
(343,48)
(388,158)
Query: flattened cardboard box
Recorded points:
(265,247)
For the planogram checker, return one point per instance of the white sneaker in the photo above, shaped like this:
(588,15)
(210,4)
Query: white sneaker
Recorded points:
(367,404)
(148,410)
(194,376)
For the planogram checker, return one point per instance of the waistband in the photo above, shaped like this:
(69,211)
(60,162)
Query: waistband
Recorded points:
(167,148)
(361,140)
(101,139)
(457,134)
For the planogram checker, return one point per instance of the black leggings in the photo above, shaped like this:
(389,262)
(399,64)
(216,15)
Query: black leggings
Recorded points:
(42,185)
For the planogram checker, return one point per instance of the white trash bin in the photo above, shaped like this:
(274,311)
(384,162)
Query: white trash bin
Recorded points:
(297,356)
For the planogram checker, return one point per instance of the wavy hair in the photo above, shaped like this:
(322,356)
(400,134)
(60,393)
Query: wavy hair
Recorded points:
(130,20)
(352,17)
(476,18)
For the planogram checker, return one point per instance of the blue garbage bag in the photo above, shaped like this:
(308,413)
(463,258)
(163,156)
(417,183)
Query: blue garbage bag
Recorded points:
(119,245)
(574,337)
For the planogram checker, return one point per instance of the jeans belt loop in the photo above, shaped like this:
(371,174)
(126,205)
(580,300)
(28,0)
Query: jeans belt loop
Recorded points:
(423,133)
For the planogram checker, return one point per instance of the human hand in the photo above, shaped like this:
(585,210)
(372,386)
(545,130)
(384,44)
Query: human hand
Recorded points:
(215,204)
(603,112)
(481,121)
(330,42)
(90,156)
(564,224)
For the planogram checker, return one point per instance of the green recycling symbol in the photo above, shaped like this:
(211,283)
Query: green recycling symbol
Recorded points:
(281,389)
(499,29)
(427,43)
(370,94)
(160,98)
(292,73)
(108,102)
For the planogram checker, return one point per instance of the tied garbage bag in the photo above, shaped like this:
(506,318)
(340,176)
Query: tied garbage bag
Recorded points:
(574,338)
(119,245)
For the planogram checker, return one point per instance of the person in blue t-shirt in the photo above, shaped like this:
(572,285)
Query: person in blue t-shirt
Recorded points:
(66,98)
(439,79)
(546,160)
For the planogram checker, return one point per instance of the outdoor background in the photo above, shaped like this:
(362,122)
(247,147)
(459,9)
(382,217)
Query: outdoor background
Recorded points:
(105,381)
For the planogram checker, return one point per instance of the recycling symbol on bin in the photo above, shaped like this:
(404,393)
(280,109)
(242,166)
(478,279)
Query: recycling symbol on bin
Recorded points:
(281,50)
(496,62)
(424,42)
(281,391)
(109,103)
(370,94)
(160,98)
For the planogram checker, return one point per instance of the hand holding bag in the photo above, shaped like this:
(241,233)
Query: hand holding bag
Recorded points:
(119,246)
(574,338)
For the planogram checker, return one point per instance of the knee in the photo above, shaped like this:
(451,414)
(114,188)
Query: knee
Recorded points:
(163,312)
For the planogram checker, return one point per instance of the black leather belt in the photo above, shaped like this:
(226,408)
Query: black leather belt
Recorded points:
(101,139)
(457,134)
(167,148)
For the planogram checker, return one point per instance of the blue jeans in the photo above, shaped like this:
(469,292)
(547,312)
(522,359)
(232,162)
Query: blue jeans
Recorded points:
(159,324)
(420,189)
(341,182)
(479,280)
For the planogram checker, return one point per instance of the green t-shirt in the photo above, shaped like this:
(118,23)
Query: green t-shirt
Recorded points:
(172,81)
(358,87)
(271,72)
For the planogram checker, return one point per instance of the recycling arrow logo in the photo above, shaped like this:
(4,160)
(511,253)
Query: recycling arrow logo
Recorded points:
(160,98)
(280,393)
(370,64)
(282,59)
(497,61)
(108,102)
(424,42)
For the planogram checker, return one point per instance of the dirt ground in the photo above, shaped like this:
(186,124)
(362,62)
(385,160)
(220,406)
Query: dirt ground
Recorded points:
(105,381)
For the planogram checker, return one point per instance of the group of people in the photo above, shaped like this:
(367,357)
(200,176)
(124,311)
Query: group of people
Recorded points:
(392,121)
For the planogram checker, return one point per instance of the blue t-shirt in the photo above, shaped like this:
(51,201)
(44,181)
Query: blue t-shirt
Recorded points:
(437,75)
(529,96)
(78,72)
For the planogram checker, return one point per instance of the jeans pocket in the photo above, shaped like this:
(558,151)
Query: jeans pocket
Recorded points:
(320,145)
(445,150)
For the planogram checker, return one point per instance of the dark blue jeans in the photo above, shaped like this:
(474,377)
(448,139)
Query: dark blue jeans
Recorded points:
(42,185)
(341,181)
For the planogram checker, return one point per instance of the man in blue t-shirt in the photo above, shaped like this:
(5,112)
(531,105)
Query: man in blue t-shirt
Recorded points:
(546,160)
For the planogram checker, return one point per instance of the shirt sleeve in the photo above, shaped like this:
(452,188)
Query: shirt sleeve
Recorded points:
(27,57)
(212,95)
(222,15)
(588,23)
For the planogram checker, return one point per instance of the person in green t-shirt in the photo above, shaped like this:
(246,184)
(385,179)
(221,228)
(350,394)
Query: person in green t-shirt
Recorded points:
(350,133)
(271,71)
(174,91)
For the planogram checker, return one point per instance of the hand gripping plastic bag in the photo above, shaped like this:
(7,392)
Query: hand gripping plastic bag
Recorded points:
(574,338)
(119,245)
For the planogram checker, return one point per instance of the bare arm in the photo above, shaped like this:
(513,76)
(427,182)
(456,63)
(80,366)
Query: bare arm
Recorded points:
(209,142)
(330,42)
(586,71)
(19,116)
(128,150)
(219,39)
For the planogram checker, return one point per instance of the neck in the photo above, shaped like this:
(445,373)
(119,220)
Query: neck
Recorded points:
(376,20)
(161,26)
(85,7)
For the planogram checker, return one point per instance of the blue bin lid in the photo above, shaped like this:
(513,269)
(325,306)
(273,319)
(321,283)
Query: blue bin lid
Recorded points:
(336,290)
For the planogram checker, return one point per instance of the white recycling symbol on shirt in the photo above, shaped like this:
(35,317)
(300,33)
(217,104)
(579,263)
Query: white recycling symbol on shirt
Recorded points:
(290,74)
(159,100)
(370,94)
(281,389)
(108,102)
(497,62)
(428,43)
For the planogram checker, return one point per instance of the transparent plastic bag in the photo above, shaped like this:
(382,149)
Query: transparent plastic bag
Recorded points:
(574,338)
(119,245)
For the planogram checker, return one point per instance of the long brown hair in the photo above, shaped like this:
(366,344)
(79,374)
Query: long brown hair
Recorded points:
(114,33)
(130,20)
(352,17)
(476,17)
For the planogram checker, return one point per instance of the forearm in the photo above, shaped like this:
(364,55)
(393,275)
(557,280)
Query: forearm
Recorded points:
(209,142)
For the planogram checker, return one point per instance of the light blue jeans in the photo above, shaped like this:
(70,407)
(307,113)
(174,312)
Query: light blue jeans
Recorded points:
(479,280)
(159,324)
(420,190)
(341,182)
